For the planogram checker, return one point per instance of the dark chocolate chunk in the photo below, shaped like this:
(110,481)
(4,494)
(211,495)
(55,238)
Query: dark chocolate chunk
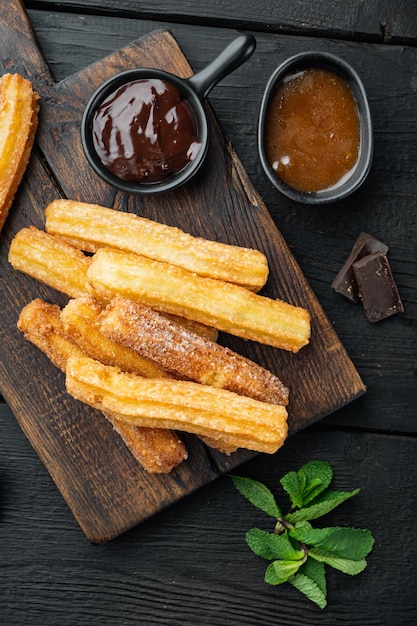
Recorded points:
(377,288)
(345,282)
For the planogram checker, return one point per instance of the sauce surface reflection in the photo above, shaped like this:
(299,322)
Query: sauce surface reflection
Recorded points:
(312,130)
(145,131)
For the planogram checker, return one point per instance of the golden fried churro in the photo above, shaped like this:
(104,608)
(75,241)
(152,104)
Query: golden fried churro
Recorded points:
(89,227)
(81,320)
(177,350)
(50,260)
(40,322)
(19,106)
(224,306)
(224,445)
(64,268)
(208,332)
(180,405)
(156,450)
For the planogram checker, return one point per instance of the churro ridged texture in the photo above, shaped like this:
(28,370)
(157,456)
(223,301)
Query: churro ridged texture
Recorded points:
(50,260)
(90,227)
(59,265)
(157,450)
(137,338)
(81,319)
(171,289)
(19,107)
(178,405)
(181,352)
(40,322)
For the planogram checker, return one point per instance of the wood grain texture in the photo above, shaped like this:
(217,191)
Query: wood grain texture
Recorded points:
(378,20)
(220,203)
(103,486)
(190,564)
(320,239)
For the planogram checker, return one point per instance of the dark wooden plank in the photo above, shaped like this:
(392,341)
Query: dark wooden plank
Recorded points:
(105,490)
(319,238)
(190,565)
(236,214)
(220,203)
(392,21)
(104,501)
(185,565)
(104,486)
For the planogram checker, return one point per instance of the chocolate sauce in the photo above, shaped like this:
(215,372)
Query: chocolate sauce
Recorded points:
(145,131)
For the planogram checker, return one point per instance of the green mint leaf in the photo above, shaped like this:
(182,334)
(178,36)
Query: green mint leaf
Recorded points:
(318,475)
(258,494)
(280,571)
(298,551)
(294,486)
(269,546)
(324,503)
(346,543)
(306,484)
(304,531)
(301,531)
(315,570)
(309,588)
(346,566)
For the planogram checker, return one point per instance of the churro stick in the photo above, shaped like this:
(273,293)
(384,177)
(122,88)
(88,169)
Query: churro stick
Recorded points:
(177,350)
(157,450)
(40,322)
(64,268)
(89,227)
(224,306)
(19,107)
(50,260)
(208,332)
(180,405)
(81,320)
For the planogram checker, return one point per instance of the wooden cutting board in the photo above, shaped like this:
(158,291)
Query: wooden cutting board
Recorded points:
(103,485)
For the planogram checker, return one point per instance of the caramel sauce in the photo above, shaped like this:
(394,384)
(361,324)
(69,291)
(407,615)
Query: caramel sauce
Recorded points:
(312,130)
(145,131)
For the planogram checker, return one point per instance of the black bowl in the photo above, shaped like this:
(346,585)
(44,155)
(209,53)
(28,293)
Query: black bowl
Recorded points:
(359,172)
(194,90)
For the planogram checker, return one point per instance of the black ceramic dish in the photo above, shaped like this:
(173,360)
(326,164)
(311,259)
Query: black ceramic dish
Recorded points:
(360,171)
(194,90)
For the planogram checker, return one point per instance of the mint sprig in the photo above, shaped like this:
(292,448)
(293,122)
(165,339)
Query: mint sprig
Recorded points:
(299,552)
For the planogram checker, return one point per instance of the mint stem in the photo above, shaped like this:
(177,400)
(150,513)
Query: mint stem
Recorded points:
(282,525)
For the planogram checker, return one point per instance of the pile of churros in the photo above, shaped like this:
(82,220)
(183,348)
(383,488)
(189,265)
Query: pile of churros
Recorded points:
(138,337)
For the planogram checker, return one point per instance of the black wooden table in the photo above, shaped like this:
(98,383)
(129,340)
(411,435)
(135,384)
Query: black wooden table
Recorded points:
(190,564)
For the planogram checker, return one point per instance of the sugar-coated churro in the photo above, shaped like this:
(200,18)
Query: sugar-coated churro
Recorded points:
(179,405)
(157,450)
(171,289)
(19,107)
(81,320)
(208,332)
(174,348)
(90,227)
